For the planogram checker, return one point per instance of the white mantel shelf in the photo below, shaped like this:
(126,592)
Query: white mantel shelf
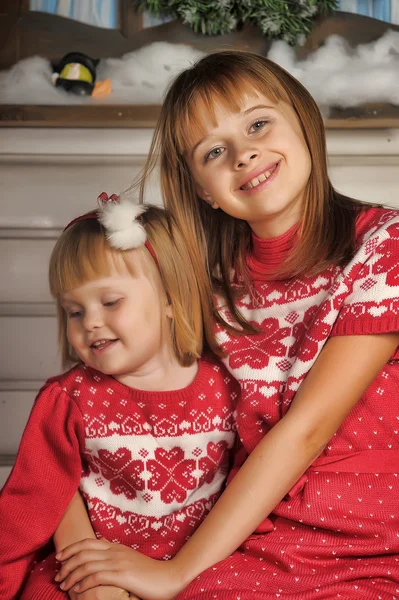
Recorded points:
(136,141)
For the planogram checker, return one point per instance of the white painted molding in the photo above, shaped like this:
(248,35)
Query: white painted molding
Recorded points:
(365,160)
(29,233)
(4,473)
(130,160)
(336,156)
(98,142)
(21,385)
(6,464)
(363,142)
(27,309)
(93,141)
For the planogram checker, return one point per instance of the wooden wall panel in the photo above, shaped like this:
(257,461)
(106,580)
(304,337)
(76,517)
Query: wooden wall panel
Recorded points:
(15,409)
(368,178)
(30,349)
(24,266)
(4,472)
(48,191)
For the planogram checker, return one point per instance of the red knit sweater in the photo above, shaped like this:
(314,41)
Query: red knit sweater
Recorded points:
(336,534)
(153,464)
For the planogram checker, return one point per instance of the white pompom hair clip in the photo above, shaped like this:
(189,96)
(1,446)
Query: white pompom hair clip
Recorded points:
(118,216)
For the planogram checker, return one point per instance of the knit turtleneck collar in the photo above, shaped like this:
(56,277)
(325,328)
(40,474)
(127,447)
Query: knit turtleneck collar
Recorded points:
(268,254)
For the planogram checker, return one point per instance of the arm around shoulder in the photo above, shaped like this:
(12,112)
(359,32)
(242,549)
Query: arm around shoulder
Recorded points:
(322,402)
(74,526)
(344,370)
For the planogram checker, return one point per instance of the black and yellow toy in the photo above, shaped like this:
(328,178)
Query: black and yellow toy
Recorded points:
(76,73)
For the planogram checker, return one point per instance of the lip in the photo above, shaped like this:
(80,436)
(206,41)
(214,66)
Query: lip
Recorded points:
(257,172)
(263,184)
(110,343)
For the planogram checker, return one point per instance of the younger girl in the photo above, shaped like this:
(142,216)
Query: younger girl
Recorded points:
(142,424)
(311,278)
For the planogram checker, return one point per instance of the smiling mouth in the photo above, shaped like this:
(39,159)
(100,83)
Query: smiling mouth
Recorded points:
(259,179)
(102,344)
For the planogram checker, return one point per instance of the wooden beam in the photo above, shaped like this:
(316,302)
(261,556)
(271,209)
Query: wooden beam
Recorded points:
(367,116)
(130,20)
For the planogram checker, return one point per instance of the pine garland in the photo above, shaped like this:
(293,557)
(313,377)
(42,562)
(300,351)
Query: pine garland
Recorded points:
(290,20)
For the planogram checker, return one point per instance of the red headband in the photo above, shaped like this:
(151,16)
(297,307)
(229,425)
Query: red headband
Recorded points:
(103,198)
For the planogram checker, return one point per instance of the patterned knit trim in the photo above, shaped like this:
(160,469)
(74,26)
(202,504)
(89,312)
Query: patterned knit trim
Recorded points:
(200,383)
(363,326)
(371,219)
(268,254)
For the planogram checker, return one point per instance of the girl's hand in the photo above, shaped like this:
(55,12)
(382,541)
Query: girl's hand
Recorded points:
(91,563)
(103,592)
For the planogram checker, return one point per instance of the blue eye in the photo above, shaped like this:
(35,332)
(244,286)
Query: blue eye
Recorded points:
(75,315)
(258,125)
(215,153)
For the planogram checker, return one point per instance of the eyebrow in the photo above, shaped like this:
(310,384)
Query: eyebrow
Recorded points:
(102,289)
(65,302)
(243,114)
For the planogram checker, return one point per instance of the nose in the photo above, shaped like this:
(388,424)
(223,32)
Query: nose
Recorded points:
(244,156)
(92,319)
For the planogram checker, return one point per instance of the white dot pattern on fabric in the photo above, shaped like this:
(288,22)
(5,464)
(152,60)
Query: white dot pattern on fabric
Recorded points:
(150,464)
(336,533)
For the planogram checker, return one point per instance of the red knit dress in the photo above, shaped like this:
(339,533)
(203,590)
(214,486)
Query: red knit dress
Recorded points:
(154,463)
(336,534)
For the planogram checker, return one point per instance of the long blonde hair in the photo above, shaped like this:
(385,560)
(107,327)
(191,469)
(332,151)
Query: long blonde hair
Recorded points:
(82,253)
(223,78)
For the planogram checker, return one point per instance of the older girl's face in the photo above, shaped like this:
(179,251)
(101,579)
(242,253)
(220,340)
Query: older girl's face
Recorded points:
(253,164)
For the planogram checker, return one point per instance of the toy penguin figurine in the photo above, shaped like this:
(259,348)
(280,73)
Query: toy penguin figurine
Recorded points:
(76,73)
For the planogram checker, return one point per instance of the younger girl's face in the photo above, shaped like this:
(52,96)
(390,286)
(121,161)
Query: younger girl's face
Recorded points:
(253,164)
(116,324)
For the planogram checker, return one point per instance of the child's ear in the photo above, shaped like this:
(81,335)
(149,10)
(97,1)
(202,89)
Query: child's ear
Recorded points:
(204,195)
(169,311)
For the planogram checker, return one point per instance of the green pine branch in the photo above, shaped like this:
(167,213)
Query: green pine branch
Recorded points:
(290,20)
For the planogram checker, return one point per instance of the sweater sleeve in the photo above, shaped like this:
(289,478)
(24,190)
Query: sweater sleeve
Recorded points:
(41,584)
(372,302)
(43,481)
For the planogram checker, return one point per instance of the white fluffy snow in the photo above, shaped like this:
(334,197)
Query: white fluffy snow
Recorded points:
(139,77)
(338,75)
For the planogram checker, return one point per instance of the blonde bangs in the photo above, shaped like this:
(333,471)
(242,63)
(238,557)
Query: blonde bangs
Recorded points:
(218,243)
(83,254)
(227,91)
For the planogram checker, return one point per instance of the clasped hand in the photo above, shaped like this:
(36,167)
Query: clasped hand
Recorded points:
(102,592)
(90,563)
